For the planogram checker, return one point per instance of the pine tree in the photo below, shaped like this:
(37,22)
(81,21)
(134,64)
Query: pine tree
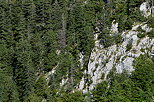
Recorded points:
(8,88)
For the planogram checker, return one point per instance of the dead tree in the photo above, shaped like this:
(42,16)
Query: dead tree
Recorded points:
(62,33)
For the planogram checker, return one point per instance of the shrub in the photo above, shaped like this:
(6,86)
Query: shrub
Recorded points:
(106,40)
(151,33)
(150,21)
(142,50)
(140,35)
(129,45)
(117,38)
(140,29)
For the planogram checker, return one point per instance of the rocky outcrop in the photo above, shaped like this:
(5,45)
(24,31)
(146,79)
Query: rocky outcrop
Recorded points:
(102,60)
(146,9)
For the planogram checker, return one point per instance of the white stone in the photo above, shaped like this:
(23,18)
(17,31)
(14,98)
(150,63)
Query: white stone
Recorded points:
(81,59)
(145,8)
(98,65)
(102,60)
(146,28)
(114,27)
(58,52)
(81,85)
(63,82)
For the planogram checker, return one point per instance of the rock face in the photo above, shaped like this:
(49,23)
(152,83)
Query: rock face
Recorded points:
(114,27)
(102,60)
(145,8)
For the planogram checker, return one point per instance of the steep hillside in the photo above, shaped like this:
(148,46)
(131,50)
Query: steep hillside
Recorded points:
(76,51)
(119,56)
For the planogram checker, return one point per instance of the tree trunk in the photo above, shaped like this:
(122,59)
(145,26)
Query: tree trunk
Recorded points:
(62,33)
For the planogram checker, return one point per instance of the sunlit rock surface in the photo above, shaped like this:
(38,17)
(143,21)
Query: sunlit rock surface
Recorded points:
(102,60)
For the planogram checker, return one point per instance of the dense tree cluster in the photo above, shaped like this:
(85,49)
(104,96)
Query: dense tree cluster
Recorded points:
(37,36)
(135,87)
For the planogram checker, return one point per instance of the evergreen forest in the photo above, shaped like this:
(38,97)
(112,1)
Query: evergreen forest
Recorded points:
(38,37)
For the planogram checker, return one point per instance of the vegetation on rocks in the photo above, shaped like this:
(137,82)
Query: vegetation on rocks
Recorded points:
(40,43)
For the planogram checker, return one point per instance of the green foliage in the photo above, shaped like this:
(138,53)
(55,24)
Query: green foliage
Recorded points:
(129,46)
(140,29)
(108,39)
(33,98)
(37,37)
(137,86)
(125,23)
(41,88)
(140,35)
(151,33)
(150,21)
(71,97)
(8,89)
(144,73)
(117,38)
(117,89)
(100,92)
(124,12)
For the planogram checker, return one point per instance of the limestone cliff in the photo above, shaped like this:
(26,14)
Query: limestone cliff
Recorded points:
(102,60)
